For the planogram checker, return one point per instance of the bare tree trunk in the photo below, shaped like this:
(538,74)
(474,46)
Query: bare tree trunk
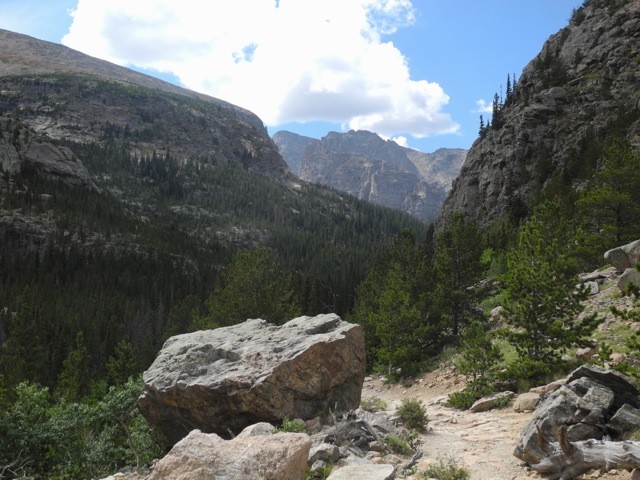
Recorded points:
(566,460)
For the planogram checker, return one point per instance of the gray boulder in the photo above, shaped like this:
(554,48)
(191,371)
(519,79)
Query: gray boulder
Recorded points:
(226,379)
(630,275)
(205,456)
(625,256)
(586,405)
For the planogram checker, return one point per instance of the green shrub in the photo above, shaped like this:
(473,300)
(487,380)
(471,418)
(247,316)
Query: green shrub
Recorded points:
(398,445)
(413,414)
(373,404)
(464,399)
(447,468)
(292,426)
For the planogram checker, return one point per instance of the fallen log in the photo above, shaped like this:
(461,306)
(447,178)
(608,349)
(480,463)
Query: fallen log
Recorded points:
(567,460)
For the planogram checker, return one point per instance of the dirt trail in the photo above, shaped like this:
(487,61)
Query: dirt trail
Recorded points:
(483,442)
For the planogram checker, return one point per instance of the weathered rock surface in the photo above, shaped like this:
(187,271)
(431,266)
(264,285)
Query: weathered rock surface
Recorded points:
(202,456)
(586,406)
(226,379)
(363,472)
(625,256)
(566,98)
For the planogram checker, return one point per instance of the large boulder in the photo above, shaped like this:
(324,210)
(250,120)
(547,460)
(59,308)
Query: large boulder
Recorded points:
(593,403)
(226,379)
(202,456)
(625,256)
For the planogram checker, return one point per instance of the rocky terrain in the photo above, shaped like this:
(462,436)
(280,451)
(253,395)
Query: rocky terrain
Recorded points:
(581,87)
(381,171)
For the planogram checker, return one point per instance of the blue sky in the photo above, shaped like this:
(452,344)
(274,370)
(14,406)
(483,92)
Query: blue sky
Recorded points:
(412,70)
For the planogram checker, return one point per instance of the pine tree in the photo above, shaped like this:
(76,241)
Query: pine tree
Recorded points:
(541,299)
(458,268)
(482,127)
(610,205)
(75,379)
(254,286)
(122,365)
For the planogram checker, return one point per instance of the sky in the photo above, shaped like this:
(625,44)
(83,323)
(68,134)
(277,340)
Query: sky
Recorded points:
(420,72)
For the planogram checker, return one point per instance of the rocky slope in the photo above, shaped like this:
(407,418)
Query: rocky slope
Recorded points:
(582,87)
(368,167)
(65,94)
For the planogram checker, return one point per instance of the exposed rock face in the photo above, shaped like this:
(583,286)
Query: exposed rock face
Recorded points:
(370,168)
(226,379)
(584,80)
(68,95)
(201,456)
(587,405)
(20,147)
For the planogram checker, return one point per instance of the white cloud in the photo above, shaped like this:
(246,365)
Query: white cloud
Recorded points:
(483,107)
(402,141)
(286,60)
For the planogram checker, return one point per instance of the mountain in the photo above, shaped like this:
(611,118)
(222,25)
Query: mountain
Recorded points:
(381,171)
(545,138)
(122,198)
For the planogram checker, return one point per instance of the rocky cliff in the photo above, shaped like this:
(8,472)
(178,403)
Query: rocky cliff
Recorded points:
(66,95)
(582,87)
(370,168)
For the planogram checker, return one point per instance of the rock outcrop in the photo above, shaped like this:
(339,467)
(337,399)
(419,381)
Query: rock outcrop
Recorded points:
(381,171)
(226,379)
(21,147)
(201,456)
(582,84)
(592,403)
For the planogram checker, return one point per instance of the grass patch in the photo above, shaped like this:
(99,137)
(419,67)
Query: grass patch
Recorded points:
(292,426)
(373,404)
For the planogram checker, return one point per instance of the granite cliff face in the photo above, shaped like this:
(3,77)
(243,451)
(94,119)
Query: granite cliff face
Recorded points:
(582,87)
(381,171)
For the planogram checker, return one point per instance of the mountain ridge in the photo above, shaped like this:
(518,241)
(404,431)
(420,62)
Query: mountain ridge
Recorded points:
(363,164)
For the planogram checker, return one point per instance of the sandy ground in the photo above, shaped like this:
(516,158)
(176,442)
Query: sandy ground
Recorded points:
(483,442)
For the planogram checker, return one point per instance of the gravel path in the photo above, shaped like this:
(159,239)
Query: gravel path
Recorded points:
(483,442)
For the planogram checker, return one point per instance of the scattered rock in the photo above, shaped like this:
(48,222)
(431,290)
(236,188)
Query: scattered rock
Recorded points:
(586,353)
(526,402)
(363,472)
(207,456)
(626,419)
(592,288)
(326,452)
(496,313)
(624,257)
(491,401)
(262,428)
(226,379)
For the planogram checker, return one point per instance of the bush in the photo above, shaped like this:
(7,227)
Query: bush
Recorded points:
(413,414)
(447,469)
(473,391)
(292,426)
